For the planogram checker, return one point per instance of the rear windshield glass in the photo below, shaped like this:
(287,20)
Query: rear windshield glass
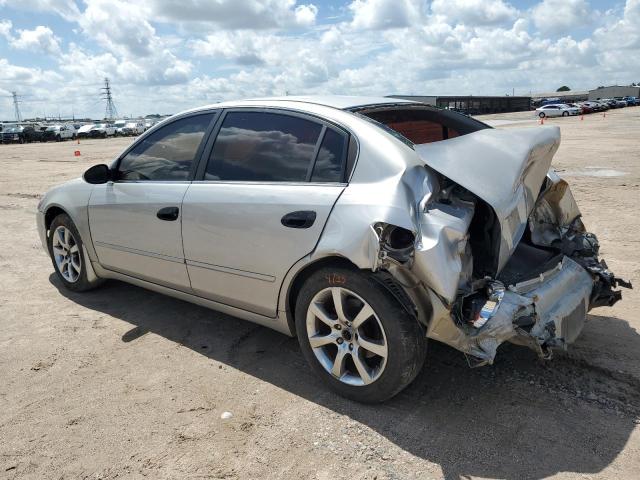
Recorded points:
(417,125)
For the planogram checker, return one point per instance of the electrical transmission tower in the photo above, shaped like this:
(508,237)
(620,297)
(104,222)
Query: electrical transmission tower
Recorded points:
(110,111)
(16,106)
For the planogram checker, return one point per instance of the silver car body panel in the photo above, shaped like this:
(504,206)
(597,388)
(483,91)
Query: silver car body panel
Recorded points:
(503,167)
(242,262)
(129,238)
(228,231)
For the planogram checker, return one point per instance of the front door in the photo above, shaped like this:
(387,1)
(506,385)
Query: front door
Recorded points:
(136,220)
(261,205)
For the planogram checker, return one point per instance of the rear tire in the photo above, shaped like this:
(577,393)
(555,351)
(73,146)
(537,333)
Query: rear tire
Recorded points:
(372,350)
(67,255)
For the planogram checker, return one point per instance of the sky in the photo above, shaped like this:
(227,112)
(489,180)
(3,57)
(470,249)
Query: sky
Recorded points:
(165,56)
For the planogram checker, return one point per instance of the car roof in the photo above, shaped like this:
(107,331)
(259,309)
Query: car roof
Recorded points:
(341,102)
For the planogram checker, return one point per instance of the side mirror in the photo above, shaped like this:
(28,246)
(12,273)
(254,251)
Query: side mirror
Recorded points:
(97,174)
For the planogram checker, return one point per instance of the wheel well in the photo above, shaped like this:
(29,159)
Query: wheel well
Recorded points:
(303,275)
(51,213)
(384,278)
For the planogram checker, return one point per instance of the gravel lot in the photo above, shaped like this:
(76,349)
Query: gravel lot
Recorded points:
(122,382)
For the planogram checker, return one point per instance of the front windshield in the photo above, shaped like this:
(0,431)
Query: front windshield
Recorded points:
(52,129)
(99,125)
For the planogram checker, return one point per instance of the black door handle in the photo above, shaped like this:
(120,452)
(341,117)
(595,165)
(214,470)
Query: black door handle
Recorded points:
(300,219)
(168,213)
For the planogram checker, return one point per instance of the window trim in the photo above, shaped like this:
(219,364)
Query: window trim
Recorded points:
(206,153)
(197,157)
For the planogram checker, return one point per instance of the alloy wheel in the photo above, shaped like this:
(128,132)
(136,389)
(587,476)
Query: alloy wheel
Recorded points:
(346,336)
(66,254)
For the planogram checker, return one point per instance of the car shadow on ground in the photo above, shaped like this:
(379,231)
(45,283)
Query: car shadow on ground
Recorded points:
(520,418)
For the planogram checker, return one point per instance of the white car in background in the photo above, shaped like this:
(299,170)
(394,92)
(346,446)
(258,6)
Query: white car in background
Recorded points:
(557,110)
(119,124)
(84,130)
(59,132)
(103,130)
(132,128)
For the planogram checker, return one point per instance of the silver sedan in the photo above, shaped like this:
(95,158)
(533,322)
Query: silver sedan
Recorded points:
(364,226)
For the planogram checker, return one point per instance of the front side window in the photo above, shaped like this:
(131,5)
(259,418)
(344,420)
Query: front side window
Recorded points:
(260,146)
(168,153)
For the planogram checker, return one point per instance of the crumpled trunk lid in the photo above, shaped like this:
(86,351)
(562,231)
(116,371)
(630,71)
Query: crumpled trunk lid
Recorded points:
(505,168)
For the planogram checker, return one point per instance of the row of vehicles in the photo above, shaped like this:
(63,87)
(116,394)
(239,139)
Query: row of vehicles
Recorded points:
(555,108)
(32,132)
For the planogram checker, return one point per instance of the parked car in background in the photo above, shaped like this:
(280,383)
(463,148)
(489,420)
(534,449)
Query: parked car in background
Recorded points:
(59,133)
(131,129)
(84,130)
(592,106)
(119,124)
(22,134)
(351,222)
(587,107)
(611,102)
(631,101)
(578,106)
(148,124)
(551,101)
(557,110)
(102,130)
(621,102)
(6,126)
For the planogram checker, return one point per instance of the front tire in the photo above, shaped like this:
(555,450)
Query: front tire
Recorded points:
(541,115)
(357,336)
(66,251)
(565,114)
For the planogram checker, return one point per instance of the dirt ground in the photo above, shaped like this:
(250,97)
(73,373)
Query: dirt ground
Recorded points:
(123,382)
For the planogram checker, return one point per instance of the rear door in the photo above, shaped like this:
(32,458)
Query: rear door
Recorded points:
(135,220)
(259,204)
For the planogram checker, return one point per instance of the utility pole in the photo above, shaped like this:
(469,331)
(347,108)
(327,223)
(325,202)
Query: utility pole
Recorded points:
(16,106)
(110,111)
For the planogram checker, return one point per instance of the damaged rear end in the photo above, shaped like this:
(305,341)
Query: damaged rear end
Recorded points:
(499,246)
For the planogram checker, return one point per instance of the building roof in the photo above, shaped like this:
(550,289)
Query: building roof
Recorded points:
(570,93)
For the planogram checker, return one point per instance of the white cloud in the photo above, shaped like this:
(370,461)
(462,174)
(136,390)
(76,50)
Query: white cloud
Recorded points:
(12,75)
(382,14)
(119,27)
(230,14)
(39,40)
(67,9)
(474,12)
(5,28)
(305,15)
(558,16)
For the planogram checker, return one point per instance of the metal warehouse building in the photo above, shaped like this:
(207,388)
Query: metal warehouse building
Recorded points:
(474,105)
(614,91)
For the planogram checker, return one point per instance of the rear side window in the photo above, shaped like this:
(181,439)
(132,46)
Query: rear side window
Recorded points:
(328,166)
(260,146)
(168,153)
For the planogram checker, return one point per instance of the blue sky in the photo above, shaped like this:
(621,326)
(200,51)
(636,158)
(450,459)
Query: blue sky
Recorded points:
(165,56)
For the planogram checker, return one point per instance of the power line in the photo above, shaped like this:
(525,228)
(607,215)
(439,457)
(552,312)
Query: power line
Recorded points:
(16,106)
(110,111)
